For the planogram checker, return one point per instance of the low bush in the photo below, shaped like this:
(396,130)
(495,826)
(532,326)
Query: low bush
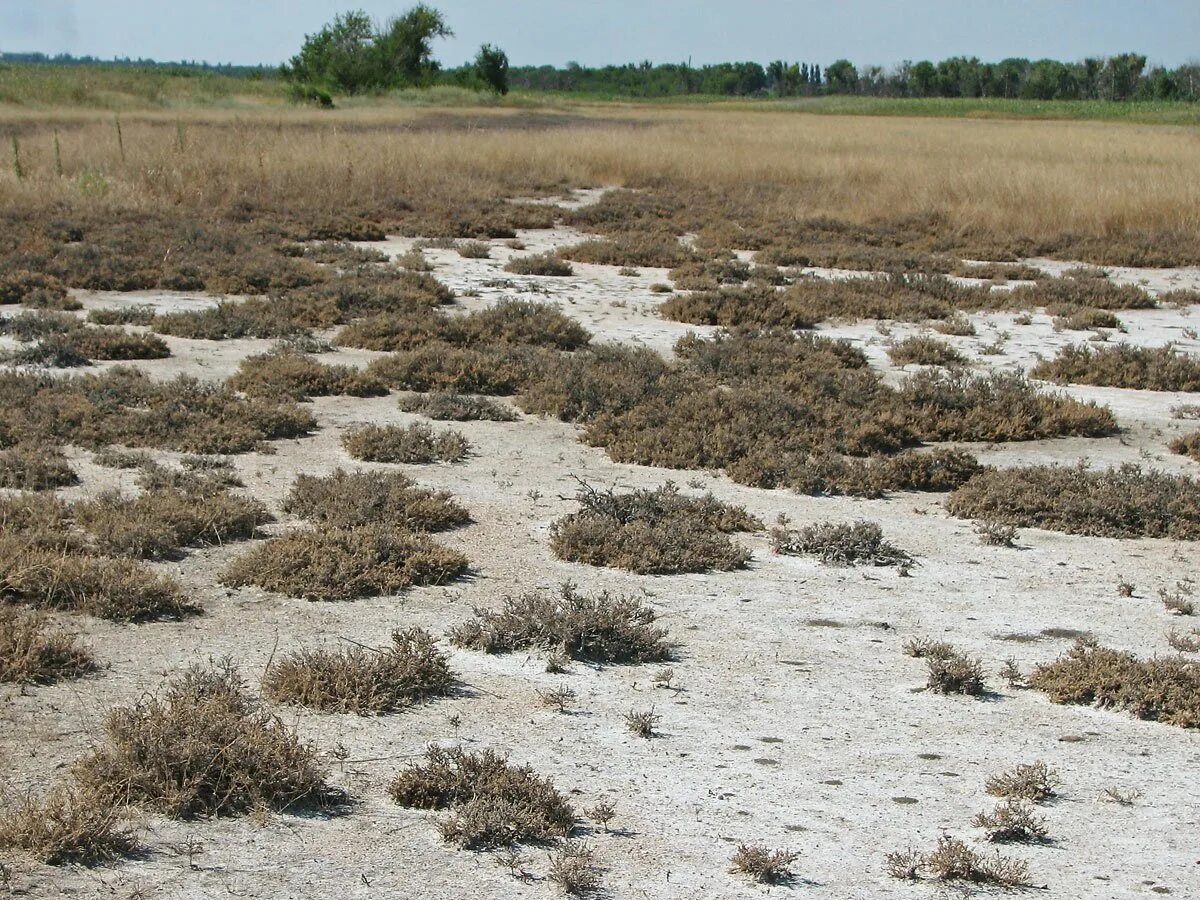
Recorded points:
(349,499)
(492,803)
(33,468)
(202,748)
(764,865)
(1086,319)
(656,532)
(296,376)
(1012,822)
(328,563)
(414,444)
(950,670)
(954,861)
(34,651)
(474,250)
(1164,689)
(500,369)
(1187,445)
(599,629)
(141,314)
(841,544)
(362,680)
(1123,366)
(1123,502)
(925,351)
(115,344)
(67,827)
(1035,782)
(457,408)
(539,264)
(661,250)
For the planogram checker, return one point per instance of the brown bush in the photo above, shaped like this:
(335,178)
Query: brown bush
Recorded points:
(1035,782)
(141,314)
(24,286)
(633,249)
(953,860)
(1164,689)
(925,351)
(758,306)
(362,680)
(202,748)
(68,826)
(457,408)
(1122,502)
(764,865)
(500,369)
(34,468)
(327,563)
(474,250)
(349,499)
(416,443)
(1096,293)
(115,343)
(30,326)
(1086,319)
(600,629)
(492,803)
(1187,445)
(539,264)
(836,543)
(34,651)
(1012,822)
(652,532)
(1123,366)
(296,376)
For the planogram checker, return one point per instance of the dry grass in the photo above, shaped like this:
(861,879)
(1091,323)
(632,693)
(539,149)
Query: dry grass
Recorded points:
(33,468)
(658,532)
(68,826)
(492,803)
(350,499)
(35,651)
(296,376)
(661,250)
(414,444)
(599,629)
(457,408)
(362,680)
(1124,366)
(841,544)
(202,748)
(1122,502)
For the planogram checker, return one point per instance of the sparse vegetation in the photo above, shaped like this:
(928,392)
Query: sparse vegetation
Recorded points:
(840,544)
(954,861)
(539,264)
(925,351)
(1187,445)
(295,376)
(30,468)
(951,671)
(413,444)
(34,651)
(457,408)
(1012,822)
(68,826)
(1035,782)
(764,865)
(1123,366)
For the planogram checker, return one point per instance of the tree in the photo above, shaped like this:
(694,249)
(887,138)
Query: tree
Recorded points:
(404,49)
(842,77)
(491,67)
(337,56)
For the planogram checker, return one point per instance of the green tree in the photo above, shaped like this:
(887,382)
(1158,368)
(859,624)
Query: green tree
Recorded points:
(404,49)
(842,77)
(491,67)
(338,56)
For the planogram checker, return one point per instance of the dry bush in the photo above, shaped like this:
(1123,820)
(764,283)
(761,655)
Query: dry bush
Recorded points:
(229,320)
(34,651)
(956,325)
(349,499)
(953,860)
(1184,643)
(950,670)
(362,680)
(115,343)
(941,469)
(760,306)
(652,532)
(599,629)
(1123,366)
(32,326)
(416,443)
(638,248)
(1122,502)
(457,408)
(1163,689)
(1179,601)
(1186,411)
(24,286)
(644,723)
(1035,782)
(539,264)
(35,468)
(141,314)
(1086,319)
(764,865)
(125,406)
(119,458)
(499,369)
(1012,822)
(492,803)
(840,544)
(573,869)
(203,748)
(474,250)
(925,351)
(996,534)
(1094,293)
(997,271)
(1187,445)
(68,826)
(328,563)
(286,373)
(715,272)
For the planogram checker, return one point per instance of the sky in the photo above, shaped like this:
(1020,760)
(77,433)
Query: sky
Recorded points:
(598,32)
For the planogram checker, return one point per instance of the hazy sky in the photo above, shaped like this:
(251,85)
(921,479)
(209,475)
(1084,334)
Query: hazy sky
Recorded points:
(604,31)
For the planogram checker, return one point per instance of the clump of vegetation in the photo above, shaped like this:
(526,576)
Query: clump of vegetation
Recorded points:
(764,865)
(34,651)
(362,680)
(1087,319)
(1187,445)
(1012,822)
(68,826)
(640,248)
(599,629)
(573,868)
(539,264)
(925,351)
(202,748)
(1035,782)
(840,544)
(652,532)
(1163,689)
(642,723)
(492,803)
(1123,502)
(950,670)
(414,444)
(497,369)
(996,534)
(284,372)
(30,468)
(953,860)
(956,325)
(474,250)
(1123,366)
(350,499)
(328,563)
(457,408)
(141,314)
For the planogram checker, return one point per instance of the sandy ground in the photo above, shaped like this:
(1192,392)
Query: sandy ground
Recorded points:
(794,721)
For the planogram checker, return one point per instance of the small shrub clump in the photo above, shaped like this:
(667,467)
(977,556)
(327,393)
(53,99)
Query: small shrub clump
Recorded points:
(954,860)
(1012,822)
(652,532)
(764,865)
(840,544)
(950,670)
(349,499)
(30,468)
(1035,782)
(34,651)
(925,351)
(413,444)
(1123,366)
(296,376)
(362,680)
(539,264)
(68,826)
(447,407)
(1187,445)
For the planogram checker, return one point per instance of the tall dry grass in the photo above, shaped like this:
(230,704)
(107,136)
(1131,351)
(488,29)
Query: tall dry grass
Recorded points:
(1034,179)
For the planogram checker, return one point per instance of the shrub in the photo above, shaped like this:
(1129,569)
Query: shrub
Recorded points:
(950,670)
(1087,320)
(539,264)
(954,860)
(416,443)
(1012,821)
(925,351)
(1187,445)
(758,306)
(996,534)
(33,651)
(437,366)
(286,373)
(956,325)
(573,869)
(764,865)
(860,543)
(1163,689)
(30,468)
(941,469)
(599,629)
(1035,782)
(474,250)
(1121,502)
(362,680)
(114,343)
(349,499)
(655,532)
(141,314)
(328,563)
(1123,366)
(67,827)
(22,285)
(661,250)
(492,803)
(202,748)
(457,408)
